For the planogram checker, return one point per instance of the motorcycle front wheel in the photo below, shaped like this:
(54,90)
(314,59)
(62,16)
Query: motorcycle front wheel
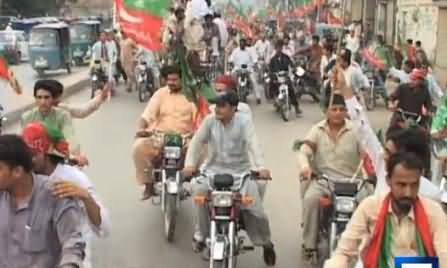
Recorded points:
(370,99)
(170,216)
(285,110)
(332,238)
(95,86)
(143,93)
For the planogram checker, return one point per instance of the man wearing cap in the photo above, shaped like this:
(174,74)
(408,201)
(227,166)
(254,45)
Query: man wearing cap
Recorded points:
(36,228)
(331,148)
(232,149)
(50,151)
(224,84)
(412,97)
(46,93)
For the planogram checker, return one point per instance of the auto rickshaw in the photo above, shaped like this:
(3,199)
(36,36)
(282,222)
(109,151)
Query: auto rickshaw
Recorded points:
(49,47)
(83,35)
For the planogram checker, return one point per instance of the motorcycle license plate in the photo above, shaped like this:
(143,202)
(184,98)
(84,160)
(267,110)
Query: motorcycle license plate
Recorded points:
(218,250)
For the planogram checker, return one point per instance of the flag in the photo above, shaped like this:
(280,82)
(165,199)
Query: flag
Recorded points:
(333,20)
(4,69)
(142,20)
(372,59)
(7,75)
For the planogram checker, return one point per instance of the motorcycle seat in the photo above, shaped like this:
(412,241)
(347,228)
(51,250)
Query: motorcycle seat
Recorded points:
(345,188)
(325,202)
(223,181)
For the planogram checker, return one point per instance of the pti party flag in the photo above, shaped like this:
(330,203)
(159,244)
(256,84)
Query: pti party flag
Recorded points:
(142,20)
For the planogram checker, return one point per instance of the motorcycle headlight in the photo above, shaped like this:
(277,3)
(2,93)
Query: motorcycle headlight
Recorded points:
(142,67)
(172,152)
(345,205)
(222,199)
(94,77)
(300,71)
(281,79)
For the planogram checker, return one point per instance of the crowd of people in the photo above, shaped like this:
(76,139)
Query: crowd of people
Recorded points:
(50,222)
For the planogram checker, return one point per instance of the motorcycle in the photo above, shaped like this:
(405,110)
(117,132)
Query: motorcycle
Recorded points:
(409,119)
(225,202)
(145,81)
(304,83)
(98,77)
(282,101)
(335,213)
(244,84)
(2,118)
(169,182)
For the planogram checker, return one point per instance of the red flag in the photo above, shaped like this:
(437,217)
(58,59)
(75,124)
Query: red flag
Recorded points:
(243,27)
(332,20)
(372,59)
(141,26)
(4,69)
(203,110)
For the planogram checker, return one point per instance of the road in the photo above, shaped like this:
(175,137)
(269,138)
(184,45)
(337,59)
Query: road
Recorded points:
(137,240)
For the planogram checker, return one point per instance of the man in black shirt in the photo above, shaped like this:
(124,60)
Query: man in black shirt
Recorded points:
(282,62)
(410,100)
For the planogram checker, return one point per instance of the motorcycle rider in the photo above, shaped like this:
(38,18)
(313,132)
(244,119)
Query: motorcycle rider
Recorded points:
(50,151)
(335,151)
(244,56)
(224,84)
(168,111)
(45,93)
(414,224)
(281,62)
(412,97)
(231,144)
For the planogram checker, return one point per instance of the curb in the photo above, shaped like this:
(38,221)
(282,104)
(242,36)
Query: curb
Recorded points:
(15,115)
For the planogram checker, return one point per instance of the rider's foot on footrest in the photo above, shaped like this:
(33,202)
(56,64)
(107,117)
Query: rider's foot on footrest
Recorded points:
(269,254)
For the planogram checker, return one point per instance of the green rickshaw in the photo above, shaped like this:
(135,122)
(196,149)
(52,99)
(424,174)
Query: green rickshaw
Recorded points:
(49,47)
(83,36)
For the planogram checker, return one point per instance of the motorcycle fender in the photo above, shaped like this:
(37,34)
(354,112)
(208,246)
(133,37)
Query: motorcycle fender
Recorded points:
(218,250)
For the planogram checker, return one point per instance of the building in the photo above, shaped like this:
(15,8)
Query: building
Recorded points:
(426,21)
